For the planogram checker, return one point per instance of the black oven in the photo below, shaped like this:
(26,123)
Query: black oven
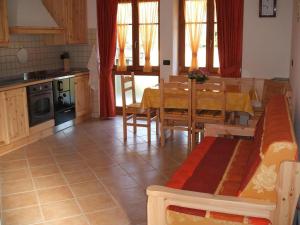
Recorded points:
(40,103)
(64,100)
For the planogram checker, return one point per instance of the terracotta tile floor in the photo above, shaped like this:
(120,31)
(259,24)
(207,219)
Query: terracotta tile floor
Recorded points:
(86,175)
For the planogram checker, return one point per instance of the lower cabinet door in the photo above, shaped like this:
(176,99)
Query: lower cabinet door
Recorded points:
(17,114)
(82,96)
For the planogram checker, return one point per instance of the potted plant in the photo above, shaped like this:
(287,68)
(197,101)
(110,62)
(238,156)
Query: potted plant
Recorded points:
(200,77)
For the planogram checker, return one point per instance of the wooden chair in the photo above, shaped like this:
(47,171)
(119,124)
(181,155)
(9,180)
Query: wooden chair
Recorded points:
(178,78)
(172,117)
(133,113)
(202,110)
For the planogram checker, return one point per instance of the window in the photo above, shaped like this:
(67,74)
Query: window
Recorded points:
(141,82)
(138,36)
(198,38)
(137,45)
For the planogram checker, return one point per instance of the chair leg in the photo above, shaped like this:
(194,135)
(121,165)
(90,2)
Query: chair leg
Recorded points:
(134,122)
(189,140)
(172,130)
(157,122)
(162,134)
(149,126)
(193,135)
(124,127)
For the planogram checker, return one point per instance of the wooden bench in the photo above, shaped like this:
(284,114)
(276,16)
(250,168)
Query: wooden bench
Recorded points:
(235,181)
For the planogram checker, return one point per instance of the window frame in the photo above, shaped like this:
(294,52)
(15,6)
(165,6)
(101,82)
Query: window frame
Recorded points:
(135,67)
(209,39)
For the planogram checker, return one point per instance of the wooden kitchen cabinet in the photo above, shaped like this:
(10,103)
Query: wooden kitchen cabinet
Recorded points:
(4,32)
(77,21)
(3,122)
(82,96)
(70,15)
(16,114)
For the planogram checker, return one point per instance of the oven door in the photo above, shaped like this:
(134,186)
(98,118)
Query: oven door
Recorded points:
(40,108)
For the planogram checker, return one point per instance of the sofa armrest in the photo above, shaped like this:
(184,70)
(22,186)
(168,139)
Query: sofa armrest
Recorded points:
(159,198)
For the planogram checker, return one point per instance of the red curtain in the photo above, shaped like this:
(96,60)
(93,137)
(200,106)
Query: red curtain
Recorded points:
(230,14)
(107,36)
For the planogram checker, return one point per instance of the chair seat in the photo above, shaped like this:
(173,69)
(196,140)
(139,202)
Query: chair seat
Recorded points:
(176,111)
(210,115)
(135,108)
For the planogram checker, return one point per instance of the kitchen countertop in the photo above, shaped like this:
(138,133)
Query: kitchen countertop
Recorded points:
(55,74)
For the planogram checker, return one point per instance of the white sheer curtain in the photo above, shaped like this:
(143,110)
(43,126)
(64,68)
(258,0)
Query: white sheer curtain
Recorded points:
(124,19)
(195,20)
(148,19)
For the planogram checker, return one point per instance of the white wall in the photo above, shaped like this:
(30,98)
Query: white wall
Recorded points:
(29,13)
(267,41)
(266,44)
(295,72)
(168,37)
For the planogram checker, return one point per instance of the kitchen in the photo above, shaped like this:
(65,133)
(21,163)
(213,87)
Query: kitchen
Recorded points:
(44,80)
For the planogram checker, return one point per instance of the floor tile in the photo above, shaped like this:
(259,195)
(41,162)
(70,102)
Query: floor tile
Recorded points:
(137,212)
(60,210)
(109,172)
(19,200)
(120,182)
(41,161)
(74,157)
(18,186)
(44,170)
(77,220)
(71,167)
(87,188)
(54,194)
(80,176)
(15,175)
(87,165)
(129,195)
(54,180)
(64,150)
(15,155)
(13,165)
(37,151)
(96,202)
(108,217)
(24,216)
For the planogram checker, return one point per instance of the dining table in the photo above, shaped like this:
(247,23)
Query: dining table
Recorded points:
(238,99)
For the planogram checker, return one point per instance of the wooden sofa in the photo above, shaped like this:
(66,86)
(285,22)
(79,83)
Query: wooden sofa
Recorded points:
(235,181)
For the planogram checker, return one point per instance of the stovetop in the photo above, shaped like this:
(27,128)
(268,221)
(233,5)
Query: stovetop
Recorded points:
(38,75)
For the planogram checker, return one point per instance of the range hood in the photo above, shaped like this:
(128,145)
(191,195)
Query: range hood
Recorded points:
(31,16)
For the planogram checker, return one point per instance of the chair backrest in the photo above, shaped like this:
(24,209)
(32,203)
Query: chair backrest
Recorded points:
(208,96)
(174,95)
(178,78)
(128,86)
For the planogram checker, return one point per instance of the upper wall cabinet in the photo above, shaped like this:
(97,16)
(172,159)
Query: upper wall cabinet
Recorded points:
(4,33)
(72,16)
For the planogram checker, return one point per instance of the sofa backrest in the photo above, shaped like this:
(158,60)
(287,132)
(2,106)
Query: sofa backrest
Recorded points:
(274,142)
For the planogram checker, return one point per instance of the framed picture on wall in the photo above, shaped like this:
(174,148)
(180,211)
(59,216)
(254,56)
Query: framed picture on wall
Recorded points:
(267,8)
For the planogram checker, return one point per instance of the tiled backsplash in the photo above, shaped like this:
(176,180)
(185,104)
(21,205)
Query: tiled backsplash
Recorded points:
(80,54)
(41,56)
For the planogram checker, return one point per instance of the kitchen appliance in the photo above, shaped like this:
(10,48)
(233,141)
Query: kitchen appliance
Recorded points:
(40,103)
(64,99)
